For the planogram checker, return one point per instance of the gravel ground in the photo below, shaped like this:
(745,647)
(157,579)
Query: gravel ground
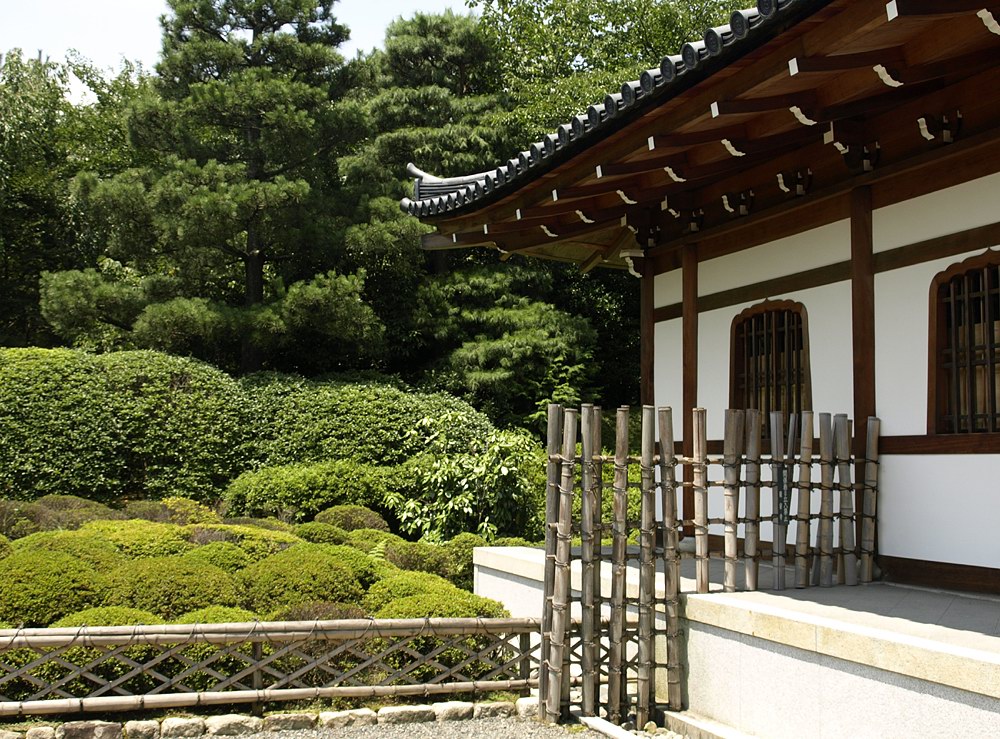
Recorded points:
(479,728)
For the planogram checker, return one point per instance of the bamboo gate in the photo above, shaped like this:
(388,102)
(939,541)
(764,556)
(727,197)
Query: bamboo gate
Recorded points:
(629,636)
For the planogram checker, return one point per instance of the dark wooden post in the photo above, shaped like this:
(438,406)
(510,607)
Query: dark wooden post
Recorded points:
(646,333)
(689,346)
(863,324)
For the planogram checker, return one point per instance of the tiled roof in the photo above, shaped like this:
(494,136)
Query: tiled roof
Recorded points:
(433,196)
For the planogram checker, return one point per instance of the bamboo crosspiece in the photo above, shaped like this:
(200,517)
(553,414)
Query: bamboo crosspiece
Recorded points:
(588,650)
(616,683)
(845,484)
(869,502)
(701,500)
(804,504)
(751,546)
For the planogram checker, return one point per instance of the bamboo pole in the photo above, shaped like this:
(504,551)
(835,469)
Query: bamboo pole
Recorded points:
(730,461)
(588,657)
(598,517)
(845,483)
(558,646)
(700,500)
(554,434)
(779,536)
(804,503)
(869,502)
(647,570)
(825,539)
(751,545)
(616,684)
(671,571)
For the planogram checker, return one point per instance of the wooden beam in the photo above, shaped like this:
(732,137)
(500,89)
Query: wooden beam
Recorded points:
(592,261)
(844,62)
(903,8)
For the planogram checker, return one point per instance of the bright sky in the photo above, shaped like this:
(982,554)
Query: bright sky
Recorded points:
(107,31)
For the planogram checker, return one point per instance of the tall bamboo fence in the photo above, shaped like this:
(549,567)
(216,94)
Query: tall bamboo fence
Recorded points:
(125,668)
(629,635)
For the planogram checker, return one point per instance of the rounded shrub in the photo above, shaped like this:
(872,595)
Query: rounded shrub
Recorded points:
(15,521)
(216,615)
(403,584)
(67,512)
(459,552)
(419,555)
(317,610)
(36,588)
(299,575)
(320,533)
(273,524)
(184,511)
(222,554)
(5,547)
(298,491)
(99,553)
(351,517)
(256,541)
(361,564)
(117,426)
(170,586)
(514,541)
(109,616)
(148,510)
(371,422)
(136,539)
(368,540)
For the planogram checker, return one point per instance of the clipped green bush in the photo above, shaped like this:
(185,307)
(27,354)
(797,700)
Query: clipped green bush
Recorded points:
(170,586)
(317,610)
(256,541)
(148,510)
(67,512)
(367,540)
(320,533)
(137,539)
(5,547)
(299,491)
(118,426)
(403,584)
(216,615)
(184,511)
(459,551)
(371,422)
(361,564)
(15,521)
(99,553)
(299,575)
(514,541)
(419,555)
(36,587)
(109,616)
(351,517)
(273,524)
(222,554)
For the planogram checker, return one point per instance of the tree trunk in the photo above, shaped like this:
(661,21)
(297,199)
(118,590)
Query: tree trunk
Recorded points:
(252,356)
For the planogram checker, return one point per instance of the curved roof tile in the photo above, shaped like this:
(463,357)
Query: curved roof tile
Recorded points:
(438,195)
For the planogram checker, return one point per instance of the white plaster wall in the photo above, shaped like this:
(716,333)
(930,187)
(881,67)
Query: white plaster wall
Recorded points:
(942,508)
(668,367)
(815,248)
(667,288)
(902,304)
(943,212)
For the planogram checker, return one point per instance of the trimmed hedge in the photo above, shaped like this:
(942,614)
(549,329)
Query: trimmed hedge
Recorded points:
(459,552)
(5,547)
(216,615)
(99,553)
(222,554)
(320,533)
(446,603)
(317,610)
(116,426)
(300,491)
(403,585)
(137,539)
(36,588)
(257,542)
(170,586)
(419,555)
(351,517)
(299,575)
(109,616)
(368,540)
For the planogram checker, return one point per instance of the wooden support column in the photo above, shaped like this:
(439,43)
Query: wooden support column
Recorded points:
(689,345)
(863,324)
(647,325)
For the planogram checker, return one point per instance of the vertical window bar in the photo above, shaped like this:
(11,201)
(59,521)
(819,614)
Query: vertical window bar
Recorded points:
(951,420)
(970,354)
(991,287)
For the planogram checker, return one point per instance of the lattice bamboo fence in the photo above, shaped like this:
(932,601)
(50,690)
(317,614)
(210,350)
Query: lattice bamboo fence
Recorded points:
(625,657)
(117,668)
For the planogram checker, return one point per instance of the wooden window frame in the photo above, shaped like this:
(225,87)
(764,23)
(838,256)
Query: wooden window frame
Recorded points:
(772,306)
(937,381)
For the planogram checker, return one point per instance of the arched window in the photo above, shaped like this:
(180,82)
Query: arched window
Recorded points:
(964,358)
(769,358)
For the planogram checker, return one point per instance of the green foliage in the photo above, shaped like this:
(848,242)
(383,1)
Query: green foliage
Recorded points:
(320,533)
(222,554)
(351,517)
(298,575)
(138,539)
(15,521)
(317,610)
(66,512)
(5,547)
(216,615)
(370,540)
(459,550)
(361,564)
(37,587)
(299,491)
(109,616)
(418,555)
(256,541)
(92,550)
(403,585)
(170,586)
(184,511)
(117,426)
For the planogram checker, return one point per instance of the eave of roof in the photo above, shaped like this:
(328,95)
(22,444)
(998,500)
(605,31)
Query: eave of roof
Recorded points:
(436,197)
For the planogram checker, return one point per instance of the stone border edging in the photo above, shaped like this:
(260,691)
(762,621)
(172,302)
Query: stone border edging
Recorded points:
(243,725)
